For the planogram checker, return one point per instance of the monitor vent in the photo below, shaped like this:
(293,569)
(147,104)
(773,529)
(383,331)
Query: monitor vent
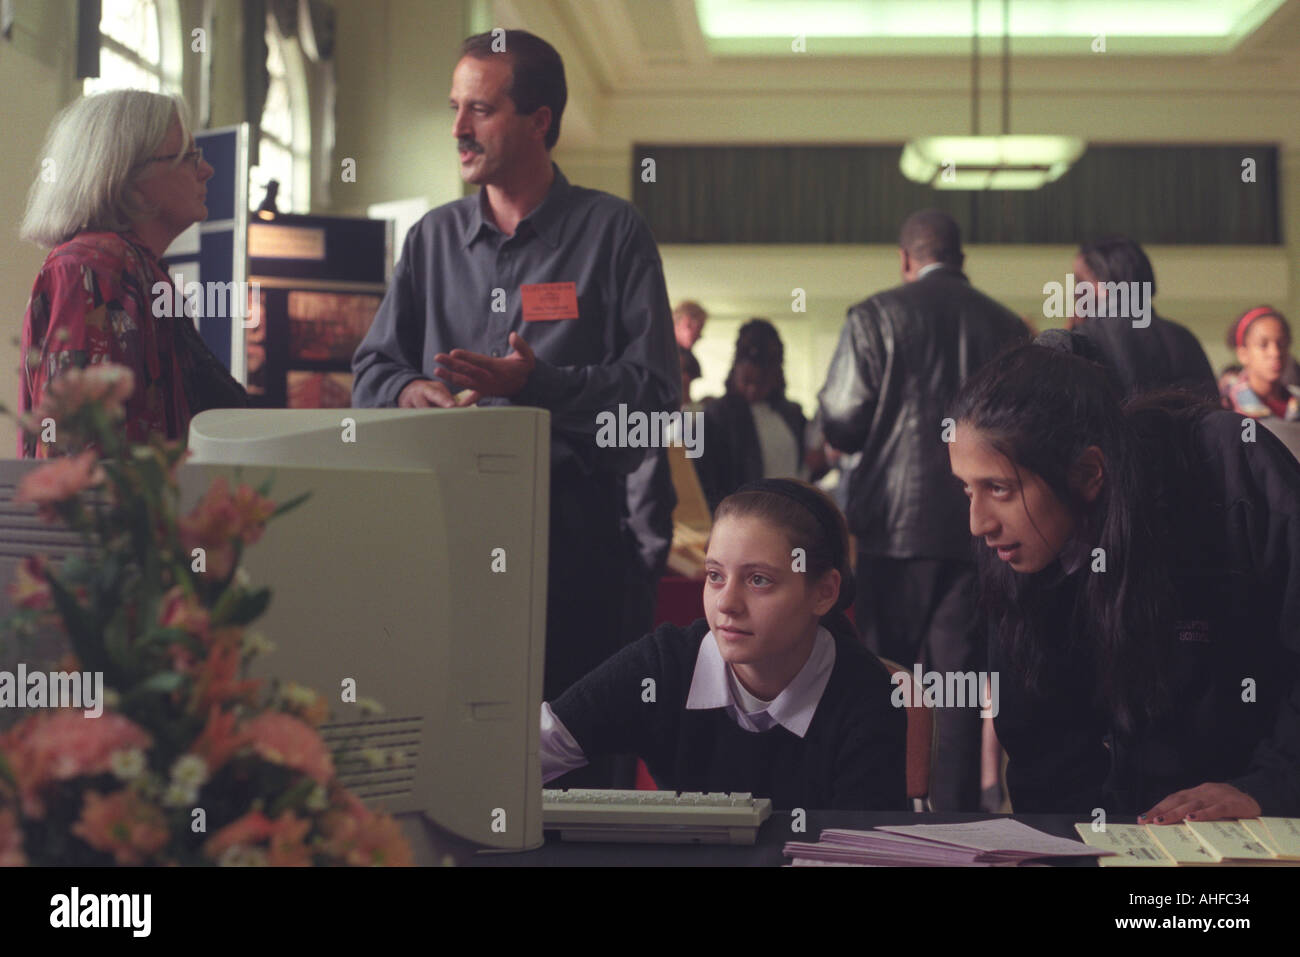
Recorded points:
(23,532)
(375,758)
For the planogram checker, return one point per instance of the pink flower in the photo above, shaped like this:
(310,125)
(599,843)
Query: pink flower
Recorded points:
(11,841)
(123,823)
(105,384)
(283,739)
(60,480)
(182,610)
(64,744)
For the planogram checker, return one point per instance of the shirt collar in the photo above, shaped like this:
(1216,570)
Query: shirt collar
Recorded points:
(545,220)
(932,267)
(793,708)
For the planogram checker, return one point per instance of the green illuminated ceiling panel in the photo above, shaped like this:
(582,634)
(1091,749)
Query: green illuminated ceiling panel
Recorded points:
(918,27)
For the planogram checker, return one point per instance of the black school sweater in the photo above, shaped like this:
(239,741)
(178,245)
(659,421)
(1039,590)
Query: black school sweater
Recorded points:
(851,758)
(1236,554)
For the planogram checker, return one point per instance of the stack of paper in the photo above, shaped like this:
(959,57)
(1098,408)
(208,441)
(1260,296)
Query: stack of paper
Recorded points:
(1267,840)
(977,844)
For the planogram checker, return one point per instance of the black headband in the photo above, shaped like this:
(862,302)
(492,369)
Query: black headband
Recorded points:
(823,511)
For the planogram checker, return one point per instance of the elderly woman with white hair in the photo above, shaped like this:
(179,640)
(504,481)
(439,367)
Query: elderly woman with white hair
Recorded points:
(120,179)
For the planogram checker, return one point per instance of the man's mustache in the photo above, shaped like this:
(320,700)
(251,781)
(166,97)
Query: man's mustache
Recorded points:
(470,145)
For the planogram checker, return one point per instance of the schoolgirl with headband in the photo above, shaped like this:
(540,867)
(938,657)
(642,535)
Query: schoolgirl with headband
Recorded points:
(1261,338)
(770,692)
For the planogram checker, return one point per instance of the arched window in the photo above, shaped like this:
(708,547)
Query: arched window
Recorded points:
(285,151)
(140,47)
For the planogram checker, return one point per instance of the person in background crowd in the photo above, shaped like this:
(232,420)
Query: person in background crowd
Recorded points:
(1158,355)
(127,180)
(688,325)
(753,431)
(901,357)
(1139,566)
(1261,339)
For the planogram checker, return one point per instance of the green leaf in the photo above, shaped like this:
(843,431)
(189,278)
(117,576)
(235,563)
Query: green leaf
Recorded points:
(239,606)
(161,683)
(83,630)
(159,636)
(294,797)
(291,504)
(6,772)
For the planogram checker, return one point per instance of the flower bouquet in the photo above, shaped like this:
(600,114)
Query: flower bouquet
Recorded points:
(184,760)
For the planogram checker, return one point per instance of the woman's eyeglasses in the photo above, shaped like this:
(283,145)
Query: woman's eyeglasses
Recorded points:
(194,157)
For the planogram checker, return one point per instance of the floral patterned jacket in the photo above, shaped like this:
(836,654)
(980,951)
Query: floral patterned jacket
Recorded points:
(93,302)
(1239,397)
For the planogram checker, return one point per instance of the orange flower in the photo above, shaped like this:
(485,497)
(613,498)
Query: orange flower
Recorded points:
(219,519)
(363,839)
(218,677)
(253,828)
(30,589)
(219,739)
(60,480)
(63,744)
(287,846)
(283,739)
(285,836)
(123,823)
(11,841)
(254,512)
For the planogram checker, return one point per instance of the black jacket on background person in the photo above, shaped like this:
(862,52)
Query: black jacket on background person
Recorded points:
(648,505)
(730,451)
(1161,355)
(1233,657)
(901,358)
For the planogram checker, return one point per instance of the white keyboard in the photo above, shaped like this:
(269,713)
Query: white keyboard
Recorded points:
(659,817)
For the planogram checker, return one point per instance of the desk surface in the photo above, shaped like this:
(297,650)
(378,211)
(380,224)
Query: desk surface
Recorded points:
(765,852)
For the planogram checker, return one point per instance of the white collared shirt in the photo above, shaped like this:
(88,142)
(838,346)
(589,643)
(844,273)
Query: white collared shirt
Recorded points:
(929,267)
(793,708)
(714,685)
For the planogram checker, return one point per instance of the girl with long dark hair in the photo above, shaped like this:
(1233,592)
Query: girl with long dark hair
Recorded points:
(1140,572)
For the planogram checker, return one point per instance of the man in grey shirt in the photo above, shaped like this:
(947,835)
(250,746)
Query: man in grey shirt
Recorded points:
(533,292)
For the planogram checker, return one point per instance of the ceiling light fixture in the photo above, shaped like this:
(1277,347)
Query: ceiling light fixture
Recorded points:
(989,162)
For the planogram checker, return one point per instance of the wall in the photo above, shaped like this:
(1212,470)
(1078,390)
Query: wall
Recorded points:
(395,59)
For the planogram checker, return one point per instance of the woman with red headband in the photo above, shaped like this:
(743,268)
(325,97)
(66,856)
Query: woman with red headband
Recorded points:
(1262,341)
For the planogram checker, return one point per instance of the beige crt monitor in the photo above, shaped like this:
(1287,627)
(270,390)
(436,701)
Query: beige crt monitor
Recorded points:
(417,569)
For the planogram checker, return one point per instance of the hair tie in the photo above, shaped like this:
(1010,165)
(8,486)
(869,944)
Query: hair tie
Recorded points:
(1244,322)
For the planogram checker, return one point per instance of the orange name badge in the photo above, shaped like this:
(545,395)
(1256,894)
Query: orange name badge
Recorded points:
(546,301)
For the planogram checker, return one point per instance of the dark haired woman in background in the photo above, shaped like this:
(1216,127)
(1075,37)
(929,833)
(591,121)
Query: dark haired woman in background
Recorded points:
(753,431)
(1158,355)
(1140,569)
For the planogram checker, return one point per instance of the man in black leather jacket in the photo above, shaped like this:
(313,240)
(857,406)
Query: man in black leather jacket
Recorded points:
(901,358)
